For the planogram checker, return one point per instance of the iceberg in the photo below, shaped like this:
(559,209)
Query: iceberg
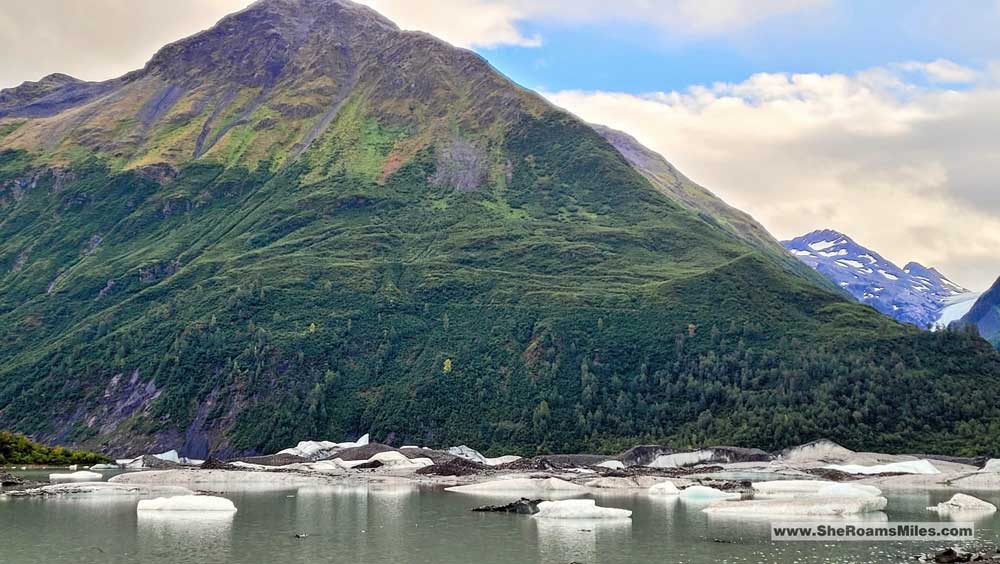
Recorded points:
(310,449)
(187,503)
(813,506)
(849,490)
(963,502)
(540,487)
(105,489)
(579,509)
(909,467)
(664,488)
(81,476)
(705,493)
(790,487)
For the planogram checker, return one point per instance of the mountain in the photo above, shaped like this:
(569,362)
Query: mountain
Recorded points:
(305,223)
(912,294)
(985,314)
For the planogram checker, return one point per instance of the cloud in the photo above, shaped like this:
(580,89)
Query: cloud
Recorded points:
(943,71)
(96,39)
(466,23)
(909,170)
(100,39)
(488,23)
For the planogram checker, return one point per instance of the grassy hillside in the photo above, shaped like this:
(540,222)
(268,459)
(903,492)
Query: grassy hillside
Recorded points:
(388,236)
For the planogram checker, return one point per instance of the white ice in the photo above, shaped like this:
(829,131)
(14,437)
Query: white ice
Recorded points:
(962,502)
(81,476)
(579,509)
(523,486)
(664,488)
(696,493)
(908,467)
(187,503)
(802,506)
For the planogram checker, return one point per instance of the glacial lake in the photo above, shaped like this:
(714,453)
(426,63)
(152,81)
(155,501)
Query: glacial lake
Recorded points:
(401,525)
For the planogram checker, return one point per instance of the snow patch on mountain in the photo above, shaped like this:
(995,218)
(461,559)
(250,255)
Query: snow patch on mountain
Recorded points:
(913,294)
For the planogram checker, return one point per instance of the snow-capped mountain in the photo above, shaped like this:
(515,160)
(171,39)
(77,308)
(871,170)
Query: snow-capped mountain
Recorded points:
(913,294)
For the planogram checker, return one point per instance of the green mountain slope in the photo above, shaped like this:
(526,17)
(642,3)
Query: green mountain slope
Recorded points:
(305,223)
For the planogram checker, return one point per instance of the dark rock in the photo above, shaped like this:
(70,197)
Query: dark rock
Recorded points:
(215,464)
(950,556)
(369,465)
(454,467)
(271,459)
(643,454)
(360,453)
(556,462)
(523,506)
(7,480)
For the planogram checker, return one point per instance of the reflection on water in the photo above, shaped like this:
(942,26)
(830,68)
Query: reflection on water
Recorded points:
(576,540)
(205,535)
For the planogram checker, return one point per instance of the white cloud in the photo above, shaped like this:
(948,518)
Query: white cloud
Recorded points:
(100,39)
(487,23)
(943,70)
(466,23)
(910,171)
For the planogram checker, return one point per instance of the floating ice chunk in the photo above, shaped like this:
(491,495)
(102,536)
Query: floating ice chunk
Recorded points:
(579,509)
(963,502)
(612,464)
(105,467)
(849,490)
(187,503)
(908,467)
(802,506)
(106,489)
(790,487)
(81,476)
(363,441)
(664,488)
(705,493)
(523,486)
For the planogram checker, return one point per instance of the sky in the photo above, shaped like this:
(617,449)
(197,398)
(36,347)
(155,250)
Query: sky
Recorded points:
(878,119)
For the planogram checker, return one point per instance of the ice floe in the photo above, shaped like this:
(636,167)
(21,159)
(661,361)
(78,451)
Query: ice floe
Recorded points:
(105,489)
(908,467)
(849,490)
(803,506)
(540,487)
(705,493)
(187,503)
(81,476)
(664,488)
(962,503)
(579,509)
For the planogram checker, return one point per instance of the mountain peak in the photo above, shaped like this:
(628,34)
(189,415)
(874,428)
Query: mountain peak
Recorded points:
(914,294)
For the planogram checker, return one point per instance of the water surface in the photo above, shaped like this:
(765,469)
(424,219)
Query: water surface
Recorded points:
(402,524)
